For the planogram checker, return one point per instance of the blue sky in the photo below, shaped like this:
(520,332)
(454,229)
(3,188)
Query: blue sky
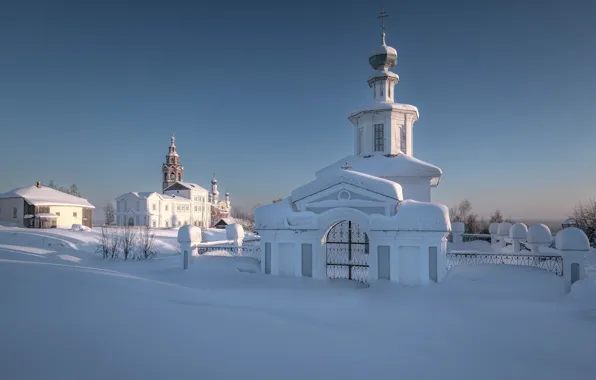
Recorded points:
(259,92)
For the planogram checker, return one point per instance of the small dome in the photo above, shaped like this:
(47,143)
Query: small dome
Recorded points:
(384,57)
(493,228)
(519,231)
(227,194)
(569,222)
(539,234)
(234,231)
(458,227)
(189,234)
(572,239)
(503,229)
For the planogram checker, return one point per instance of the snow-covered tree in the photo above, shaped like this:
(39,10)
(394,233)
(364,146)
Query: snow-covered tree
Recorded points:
(110,213)
(585,219)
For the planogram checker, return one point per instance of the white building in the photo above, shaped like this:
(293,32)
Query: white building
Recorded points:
(180,203)
(369,219)
(43,207)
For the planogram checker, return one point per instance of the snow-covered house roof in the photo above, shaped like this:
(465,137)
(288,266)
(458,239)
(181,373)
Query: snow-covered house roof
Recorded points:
(335,177)
(46,196)
(227,221)
(185,186)
(379,165)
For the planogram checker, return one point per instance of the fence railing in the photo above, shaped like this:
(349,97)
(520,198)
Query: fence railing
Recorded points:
(252,251)
(550,263)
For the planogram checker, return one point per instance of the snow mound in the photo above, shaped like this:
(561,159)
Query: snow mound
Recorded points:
(584,291)
(572,239)
(539,234)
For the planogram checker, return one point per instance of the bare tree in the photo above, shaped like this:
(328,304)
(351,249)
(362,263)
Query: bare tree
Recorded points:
(146,243)
(127,241)
(496,217)
(114,243)
(585,219)
(103,243)
(110,213)
(463,213)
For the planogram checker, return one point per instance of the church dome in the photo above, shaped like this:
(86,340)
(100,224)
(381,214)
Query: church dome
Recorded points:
(384,57)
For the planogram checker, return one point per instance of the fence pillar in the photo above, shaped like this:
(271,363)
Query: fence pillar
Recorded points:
(493,229)
(188,237)
(574,245)
(457,231)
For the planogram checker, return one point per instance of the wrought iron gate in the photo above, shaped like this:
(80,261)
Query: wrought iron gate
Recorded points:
(347,252)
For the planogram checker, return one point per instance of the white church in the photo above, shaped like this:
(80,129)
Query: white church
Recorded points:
(180,202)
(369,215)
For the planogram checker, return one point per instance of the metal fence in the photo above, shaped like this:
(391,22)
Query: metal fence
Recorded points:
(553,264)
(252,251)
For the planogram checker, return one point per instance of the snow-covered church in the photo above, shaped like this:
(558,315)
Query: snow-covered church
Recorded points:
(180,202)
(369,215)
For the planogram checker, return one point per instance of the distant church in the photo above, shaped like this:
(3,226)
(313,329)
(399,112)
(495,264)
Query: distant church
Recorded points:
(179,203)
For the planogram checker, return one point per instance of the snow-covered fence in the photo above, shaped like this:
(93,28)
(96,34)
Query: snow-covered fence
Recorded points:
(531,247)
(237,245)
(551,263)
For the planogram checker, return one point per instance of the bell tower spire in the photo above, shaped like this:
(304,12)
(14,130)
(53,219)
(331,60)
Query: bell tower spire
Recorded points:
(172,170)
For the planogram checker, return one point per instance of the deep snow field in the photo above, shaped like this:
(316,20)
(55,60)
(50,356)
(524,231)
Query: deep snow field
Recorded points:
(67,314)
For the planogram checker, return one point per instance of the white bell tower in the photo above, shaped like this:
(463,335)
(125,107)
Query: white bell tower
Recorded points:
(385,128)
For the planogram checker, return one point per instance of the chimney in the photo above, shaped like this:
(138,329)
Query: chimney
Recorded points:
(38,184)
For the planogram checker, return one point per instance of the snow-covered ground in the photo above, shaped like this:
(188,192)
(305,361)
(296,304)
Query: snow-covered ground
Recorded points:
(67,314)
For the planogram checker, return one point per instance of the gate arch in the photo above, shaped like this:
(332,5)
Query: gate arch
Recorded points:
(347,252)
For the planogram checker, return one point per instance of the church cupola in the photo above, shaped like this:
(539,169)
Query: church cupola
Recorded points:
(172,170)
(382,60)
(214,191)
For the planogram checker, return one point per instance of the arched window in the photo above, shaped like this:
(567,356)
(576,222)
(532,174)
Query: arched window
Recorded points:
(179,177)
(165,177)
(172,176)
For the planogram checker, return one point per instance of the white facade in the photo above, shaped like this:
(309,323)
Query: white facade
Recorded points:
(373,220)
(173,209)
(400,241)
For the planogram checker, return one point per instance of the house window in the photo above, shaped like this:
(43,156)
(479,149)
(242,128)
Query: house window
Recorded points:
(154,207)
(74,214)
(178,207)
(167,207)
(379,137)
(57,214)
(167,224)
(14,212)
(196,208)
(153,223)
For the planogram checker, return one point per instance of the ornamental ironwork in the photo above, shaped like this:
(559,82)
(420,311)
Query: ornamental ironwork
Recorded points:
(252,251)
(347,252)
(553,264)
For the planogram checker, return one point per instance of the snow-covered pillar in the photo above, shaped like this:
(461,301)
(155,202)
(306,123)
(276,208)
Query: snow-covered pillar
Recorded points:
(503,231)
(539,235)
(457,231)
(493,229)
(235,233)
(188,237)
(573,244)
(518,233)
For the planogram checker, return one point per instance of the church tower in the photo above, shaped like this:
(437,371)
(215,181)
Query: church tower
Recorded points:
(383,133)
(214,195)
(172,171)
(386,127)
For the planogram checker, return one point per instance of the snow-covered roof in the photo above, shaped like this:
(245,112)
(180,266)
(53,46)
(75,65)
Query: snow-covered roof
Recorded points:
(384,74)
(379,165)
(187,185)
(46,196)
(414,216)
(228,220)
(331,178)
(147,194)
(382,106)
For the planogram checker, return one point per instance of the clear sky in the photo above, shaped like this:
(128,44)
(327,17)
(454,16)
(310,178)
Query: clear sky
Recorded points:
(259,92)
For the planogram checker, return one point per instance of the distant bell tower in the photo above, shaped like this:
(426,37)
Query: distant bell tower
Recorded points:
(172,171)
(214,192)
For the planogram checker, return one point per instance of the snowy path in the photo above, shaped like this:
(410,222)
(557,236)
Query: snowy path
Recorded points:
(93,319)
